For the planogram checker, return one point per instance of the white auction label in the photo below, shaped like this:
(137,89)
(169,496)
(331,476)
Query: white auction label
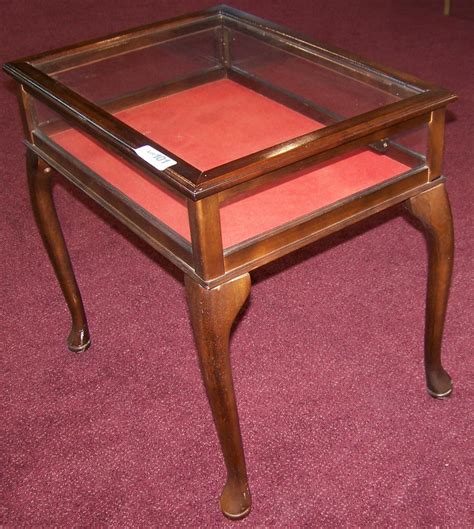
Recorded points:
(155,157)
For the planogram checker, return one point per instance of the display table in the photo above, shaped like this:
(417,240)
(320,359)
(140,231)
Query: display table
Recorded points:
(225,142)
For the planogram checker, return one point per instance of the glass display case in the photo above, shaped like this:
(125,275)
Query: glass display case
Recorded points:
(225,142)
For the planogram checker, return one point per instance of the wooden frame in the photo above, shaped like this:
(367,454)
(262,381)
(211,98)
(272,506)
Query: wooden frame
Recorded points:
(217,279)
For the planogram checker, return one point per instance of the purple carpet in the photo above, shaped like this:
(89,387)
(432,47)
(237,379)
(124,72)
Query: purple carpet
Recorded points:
(338,428)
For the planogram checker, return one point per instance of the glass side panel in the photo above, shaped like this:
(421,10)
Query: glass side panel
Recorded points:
(273,205)
(125,180)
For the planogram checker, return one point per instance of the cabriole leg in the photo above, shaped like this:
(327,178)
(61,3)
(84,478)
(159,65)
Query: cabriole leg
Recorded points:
(39,179)
(433,210)
(212,313)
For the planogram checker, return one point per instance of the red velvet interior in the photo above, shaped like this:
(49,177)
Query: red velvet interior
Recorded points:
(219,122)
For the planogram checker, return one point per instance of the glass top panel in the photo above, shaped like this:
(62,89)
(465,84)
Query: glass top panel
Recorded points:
(135,75)
(333,91)
(321,86)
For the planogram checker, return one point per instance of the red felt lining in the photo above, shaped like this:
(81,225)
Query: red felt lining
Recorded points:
(213,124)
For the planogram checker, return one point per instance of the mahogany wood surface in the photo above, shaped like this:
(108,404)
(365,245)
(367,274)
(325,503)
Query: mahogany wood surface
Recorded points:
(39,179)
(436,143)
(212,313)
(432,208)
(204,220)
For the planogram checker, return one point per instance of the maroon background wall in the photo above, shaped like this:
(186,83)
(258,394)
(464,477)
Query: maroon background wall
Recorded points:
(338,428)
